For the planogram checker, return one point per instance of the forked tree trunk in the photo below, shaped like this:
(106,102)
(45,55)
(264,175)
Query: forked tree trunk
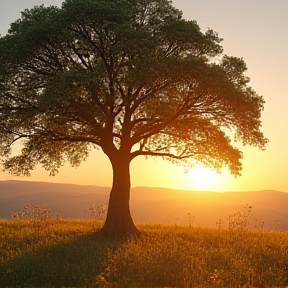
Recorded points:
(119,222)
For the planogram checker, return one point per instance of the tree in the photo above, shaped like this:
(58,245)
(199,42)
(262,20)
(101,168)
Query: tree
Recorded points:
(130,77)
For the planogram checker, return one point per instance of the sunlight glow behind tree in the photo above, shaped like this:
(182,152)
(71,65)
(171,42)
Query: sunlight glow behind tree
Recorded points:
(131,77)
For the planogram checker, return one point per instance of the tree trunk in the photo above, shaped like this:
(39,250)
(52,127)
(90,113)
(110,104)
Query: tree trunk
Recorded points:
(119,222)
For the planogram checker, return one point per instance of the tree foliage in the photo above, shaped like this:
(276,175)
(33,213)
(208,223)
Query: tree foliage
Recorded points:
(131,77)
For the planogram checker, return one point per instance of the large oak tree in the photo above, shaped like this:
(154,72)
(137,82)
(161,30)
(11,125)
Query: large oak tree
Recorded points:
(129,76)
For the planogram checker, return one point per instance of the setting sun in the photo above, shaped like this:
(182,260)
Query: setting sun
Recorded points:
(202,177)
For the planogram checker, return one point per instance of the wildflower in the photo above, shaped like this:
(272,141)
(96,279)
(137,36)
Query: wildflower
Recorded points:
(15,216)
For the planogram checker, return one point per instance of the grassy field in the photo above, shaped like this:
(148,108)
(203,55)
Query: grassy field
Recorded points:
(65,253)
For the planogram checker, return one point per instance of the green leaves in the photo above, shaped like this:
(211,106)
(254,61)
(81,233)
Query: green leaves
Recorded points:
(123,75)
(35,27)
(235,68)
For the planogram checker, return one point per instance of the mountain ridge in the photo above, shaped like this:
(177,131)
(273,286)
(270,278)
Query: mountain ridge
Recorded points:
(149,204)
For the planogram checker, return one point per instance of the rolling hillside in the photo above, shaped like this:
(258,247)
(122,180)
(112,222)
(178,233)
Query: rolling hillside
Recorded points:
(167,206)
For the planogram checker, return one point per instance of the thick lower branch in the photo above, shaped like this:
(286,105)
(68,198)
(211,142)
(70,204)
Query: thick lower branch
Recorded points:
(162,154)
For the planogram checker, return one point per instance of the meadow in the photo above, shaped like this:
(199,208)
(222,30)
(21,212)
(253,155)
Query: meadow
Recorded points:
(65,253)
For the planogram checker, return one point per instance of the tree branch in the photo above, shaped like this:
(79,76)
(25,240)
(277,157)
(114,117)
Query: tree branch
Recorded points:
(161,154)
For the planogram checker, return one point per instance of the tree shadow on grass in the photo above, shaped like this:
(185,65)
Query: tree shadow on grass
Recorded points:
(75,264)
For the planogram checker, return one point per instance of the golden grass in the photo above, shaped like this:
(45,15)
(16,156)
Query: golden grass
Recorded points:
(65,253)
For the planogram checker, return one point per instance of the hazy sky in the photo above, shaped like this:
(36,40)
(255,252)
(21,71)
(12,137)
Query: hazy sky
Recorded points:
(255,30)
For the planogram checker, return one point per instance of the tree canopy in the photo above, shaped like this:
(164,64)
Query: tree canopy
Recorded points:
(131,77)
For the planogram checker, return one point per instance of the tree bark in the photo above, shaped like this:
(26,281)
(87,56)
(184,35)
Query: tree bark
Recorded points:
(119,222)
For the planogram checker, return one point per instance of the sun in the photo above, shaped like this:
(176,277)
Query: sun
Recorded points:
(203,178)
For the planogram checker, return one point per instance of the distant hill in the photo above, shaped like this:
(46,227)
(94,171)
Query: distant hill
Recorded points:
(160,205)
(67,200)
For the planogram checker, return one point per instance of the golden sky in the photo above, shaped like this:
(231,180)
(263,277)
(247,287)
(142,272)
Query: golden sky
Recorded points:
(255,30)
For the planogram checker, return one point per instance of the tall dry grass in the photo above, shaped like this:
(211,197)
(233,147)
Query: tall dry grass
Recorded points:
(66,253)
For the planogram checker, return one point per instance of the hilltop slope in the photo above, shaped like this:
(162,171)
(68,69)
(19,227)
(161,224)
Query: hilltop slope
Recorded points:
(149,204)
